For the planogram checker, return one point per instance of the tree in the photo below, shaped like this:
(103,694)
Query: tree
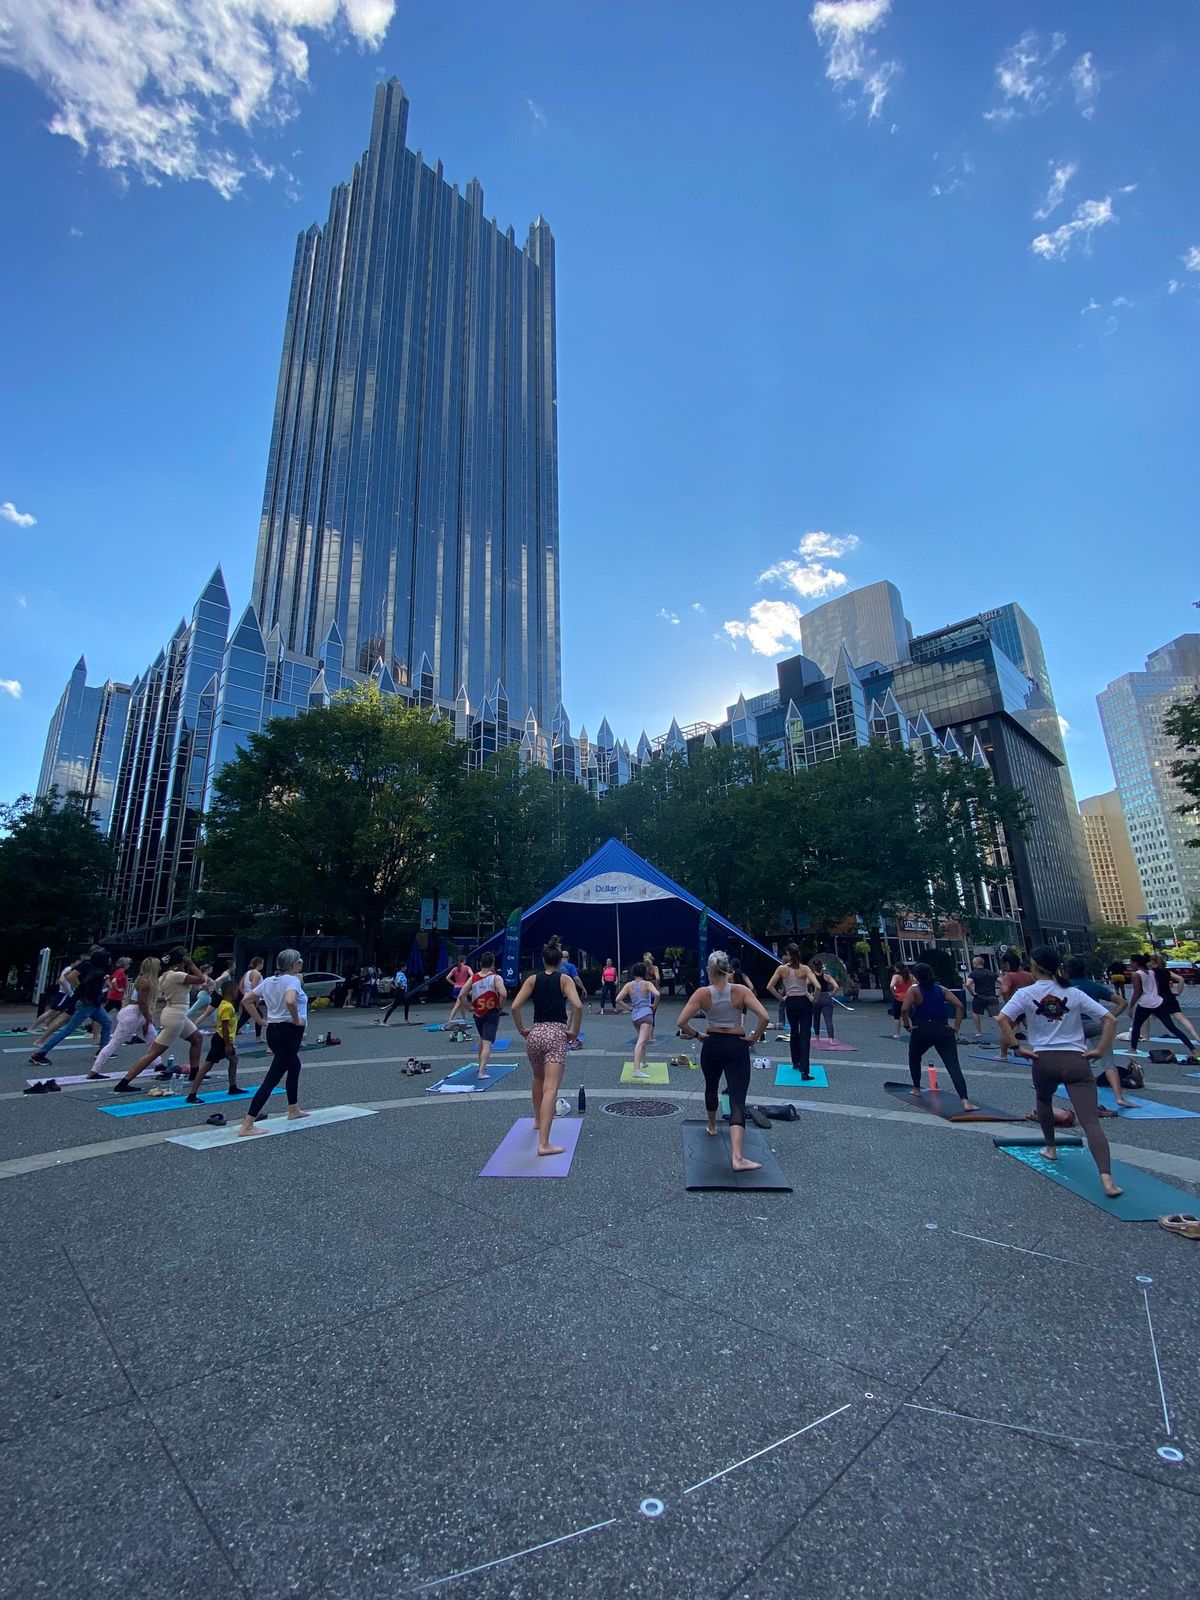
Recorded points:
(1113,942)
(1182,722)
(333,818)
(54,868)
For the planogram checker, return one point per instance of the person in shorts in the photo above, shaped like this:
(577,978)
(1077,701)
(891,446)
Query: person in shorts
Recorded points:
(981,986)
(223,1046)
(486,995)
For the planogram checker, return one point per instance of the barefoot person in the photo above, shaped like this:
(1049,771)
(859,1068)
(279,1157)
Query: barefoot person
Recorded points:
(827,987)
(180,979)
(726,1048)
(486,994)
(1171,1015)
(548,1040)
(899,983)
(224,1041)
(283,1005)
(1053,1015)
(924,1010)
(796,984)
(135,1021)
(641,997)
(251,979)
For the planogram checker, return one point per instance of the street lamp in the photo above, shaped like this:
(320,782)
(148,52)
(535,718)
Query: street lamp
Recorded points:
(1150,919)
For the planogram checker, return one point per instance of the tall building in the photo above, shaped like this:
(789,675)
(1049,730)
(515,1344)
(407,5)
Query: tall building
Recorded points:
(412,483)
(1118,887)
(1131,711)
(84,741)
(868,623)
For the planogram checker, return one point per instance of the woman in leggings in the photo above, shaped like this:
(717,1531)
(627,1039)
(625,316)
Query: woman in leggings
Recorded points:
(924,1011)
(281,1003)
(796,984)
(548,1040)
(827,987)
(1053,1014)
(1154,1002)
(135,1021)
(726,1048)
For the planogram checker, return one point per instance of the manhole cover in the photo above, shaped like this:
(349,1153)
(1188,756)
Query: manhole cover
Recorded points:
(641,1108)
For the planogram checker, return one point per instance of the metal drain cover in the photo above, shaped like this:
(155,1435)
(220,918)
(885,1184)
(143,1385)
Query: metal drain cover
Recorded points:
(641,1108)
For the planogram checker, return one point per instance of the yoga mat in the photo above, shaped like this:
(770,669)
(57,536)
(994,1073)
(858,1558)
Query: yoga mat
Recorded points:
(24,1050)
(498,1044)
(788,1077)
(516,1155)
(1145,1198)
(946,1104)
(707,1161)
(1005,1061)
(76,1077)
(830,1044)
(656,1072)
(176,1102)
(466,1080)
(1141,1110)
(1165,1039)
(210,1138)
(435,1027)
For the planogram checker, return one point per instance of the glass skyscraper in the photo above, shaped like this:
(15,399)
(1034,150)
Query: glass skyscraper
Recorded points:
(868,622)
(412,484)
(84,742)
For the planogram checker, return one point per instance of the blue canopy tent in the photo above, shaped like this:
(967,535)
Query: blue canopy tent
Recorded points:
(617,904)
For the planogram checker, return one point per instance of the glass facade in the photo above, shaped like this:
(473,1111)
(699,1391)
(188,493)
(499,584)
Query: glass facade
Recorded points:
(412,482)
(868,623)
(84,742)
(1118,888)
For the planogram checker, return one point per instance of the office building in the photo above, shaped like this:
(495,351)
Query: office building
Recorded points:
(1114,871)
(412,482)
(84,742)
(1132,708)
(868,623)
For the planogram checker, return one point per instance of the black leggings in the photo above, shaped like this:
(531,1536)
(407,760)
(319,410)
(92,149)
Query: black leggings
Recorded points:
(283,1039)
(1069,1067)
(799,1016)
(243,1017)
(727,1053)
(937,1036)
(823,1007)
(1165,1019)
(400,1000)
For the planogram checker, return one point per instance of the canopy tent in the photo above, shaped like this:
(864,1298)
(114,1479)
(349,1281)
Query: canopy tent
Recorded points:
(616,904)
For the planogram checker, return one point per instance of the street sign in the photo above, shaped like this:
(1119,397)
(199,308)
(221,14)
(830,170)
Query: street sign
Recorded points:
(443,916)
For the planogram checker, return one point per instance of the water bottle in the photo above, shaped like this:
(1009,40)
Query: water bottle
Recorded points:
(170,1063)
(582,1102)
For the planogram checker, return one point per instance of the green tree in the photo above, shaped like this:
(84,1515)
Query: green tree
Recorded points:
(1182,722)
(54,867)
(334,818)
(1113,942)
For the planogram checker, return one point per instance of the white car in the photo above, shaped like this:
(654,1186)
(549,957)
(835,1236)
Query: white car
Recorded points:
(320,985)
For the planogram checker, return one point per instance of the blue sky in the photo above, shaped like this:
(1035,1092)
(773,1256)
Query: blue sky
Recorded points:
(922,278)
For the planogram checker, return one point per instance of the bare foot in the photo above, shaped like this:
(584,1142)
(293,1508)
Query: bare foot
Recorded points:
(916,1093)
(1049,1153)
(969,1105)
(711,1130)
(247,1128)
(295,1113)
(1109,1186)
(550,1149)
(740,1164)
(480,1075)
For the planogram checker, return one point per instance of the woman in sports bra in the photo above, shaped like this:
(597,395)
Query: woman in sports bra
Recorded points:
(795,984)
(640,995)
(548,1040)
(726,1048)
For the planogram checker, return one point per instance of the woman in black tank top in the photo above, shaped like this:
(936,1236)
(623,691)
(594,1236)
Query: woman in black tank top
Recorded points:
(546,1043)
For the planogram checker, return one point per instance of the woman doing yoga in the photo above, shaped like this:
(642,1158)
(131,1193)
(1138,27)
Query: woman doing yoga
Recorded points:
(1154,1001)
(547,1042)
(1053,1015)
(282,1005)
(924,1011)
(827,987)
(726,1048)
(796,984)
(640,995)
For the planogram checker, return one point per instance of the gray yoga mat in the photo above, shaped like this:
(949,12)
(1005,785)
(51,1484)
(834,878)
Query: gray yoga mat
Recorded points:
(707,1161)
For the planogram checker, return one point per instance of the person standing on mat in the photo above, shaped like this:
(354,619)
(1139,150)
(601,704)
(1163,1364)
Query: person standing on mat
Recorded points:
(118,985)
(399,996)
(91,979)
(548,1040)
(251,979)
(1170,1013)
(135,1021)
(486,995)
(924,1012)
(1013,977)
(653,977)
(640,995)
(827,987)
(981,986)
(179,979)
(459,976)
(223,1046)
(726,1048)
(282,1004)
(795,984)
(899,984)
(1077,978)
(1053,1015)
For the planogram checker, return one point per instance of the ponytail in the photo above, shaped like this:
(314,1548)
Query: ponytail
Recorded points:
(792,955)
(1048,959)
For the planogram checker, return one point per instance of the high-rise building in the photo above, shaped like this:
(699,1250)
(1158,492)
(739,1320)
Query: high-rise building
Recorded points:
(868,623)
(1118,888)
(412,483)
(83,744)
(1132,710)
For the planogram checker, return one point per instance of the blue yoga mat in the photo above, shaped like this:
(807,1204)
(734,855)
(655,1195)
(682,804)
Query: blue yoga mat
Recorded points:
(176,1102)
(497,1044)
(1145,1197)
(1005,1061)
(467,1078)
(1141,1110)
(788,1077)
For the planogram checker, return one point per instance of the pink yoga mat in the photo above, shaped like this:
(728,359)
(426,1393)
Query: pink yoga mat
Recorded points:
(830,1044)
(516,1155)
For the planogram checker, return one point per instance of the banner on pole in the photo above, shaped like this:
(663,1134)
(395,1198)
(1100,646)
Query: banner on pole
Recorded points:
(512,951)
(702,950)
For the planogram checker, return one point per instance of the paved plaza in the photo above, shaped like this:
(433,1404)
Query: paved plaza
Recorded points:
(342,1364)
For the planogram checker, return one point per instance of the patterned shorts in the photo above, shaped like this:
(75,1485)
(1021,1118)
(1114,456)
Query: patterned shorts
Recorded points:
(546,1042)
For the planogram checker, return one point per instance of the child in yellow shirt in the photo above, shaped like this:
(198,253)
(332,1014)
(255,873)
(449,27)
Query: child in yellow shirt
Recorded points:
(224,1043)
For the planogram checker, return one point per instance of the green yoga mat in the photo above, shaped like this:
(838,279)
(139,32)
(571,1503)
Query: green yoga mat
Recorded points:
(656,1072)
(1144,1199)
(788,1077)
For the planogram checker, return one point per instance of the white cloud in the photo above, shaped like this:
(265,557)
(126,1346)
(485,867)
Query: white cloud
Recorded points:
(810,576)
(10,686)
(1061,174)
(698,608)
(1092,305)
(1089,216)
(1021,76)
(1191,260)
(539,118)
(22,518)
(852,64)
(668,616)
(23,601)
(1085,81)
(1122,300)
(152,86)
(773,627)
(1174,285)
(954,177)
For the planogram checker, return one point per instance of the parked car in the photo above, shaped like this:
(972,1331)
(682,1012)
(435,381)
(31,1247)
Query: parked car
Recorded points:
(320,985)
(1187,970)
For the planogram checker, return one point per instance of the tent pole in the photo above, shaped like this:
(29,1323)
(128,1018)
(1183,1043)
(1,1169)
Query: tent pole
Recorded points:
(620,968)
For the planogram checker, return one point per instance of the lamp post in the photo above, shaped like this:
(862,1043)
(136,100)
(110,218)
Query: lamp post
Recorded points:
(1149,919)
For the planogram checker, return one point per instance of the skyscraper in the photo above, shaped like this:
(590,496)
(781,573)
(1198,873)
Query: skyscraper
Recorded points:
(1118,888)
(412,483)
(83,743)
(1131,711)
(869,623)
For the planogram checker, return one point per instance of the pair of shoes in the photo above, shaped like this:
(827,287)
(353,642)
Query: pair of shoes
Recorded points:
(37,1088)
(233,1089)
(126,1088)
(217,1120)
(781,1038)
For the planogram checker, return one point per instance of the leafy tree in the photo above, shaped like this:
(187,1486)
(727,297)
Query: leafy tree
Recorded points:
(1182,722)
(1113,942)
(333,818)
(54,868)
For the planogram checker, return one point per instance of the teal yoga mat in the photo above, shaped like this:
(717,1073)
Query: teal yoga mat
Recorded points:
(788,1077)
(177,1102)
(1145,1197)
(1142,1110)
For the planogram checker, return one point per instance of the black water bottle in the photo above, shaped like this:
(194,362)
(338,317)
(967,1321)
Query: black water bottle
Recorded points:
(582,1099)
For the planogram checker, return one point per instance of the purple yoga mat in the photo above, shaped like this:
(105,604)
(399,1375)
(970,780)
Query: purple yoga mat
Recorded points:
(516,1155)
(830,1044)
